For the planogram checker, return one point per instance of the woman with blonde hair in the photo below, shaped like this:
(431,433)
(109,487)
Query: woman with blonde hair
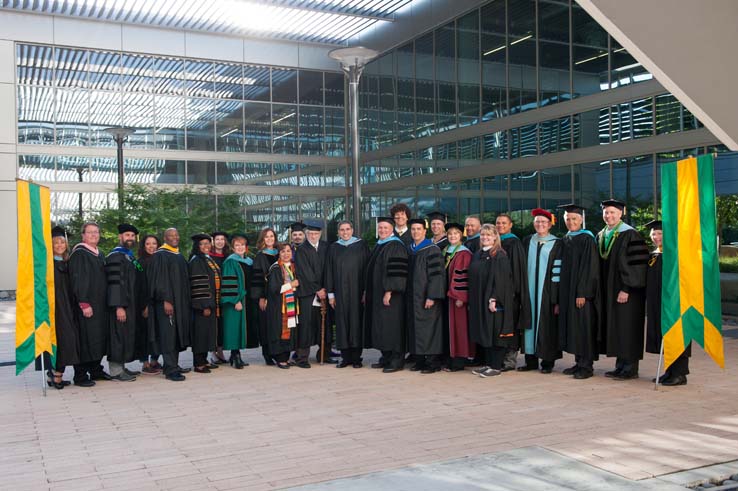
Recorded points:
(491,323)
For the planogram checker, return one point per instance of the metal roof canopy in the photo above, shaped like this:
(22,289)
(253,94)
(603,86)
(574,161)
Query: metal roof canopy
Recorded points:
(317,21)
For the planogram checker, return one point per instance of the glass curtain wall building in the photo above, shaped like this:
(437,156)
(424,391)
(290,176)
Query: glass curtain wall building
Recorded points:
(514,104)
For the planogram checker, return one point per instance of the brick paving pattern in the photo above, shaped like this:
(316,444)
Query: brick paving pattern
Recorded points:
(264,428)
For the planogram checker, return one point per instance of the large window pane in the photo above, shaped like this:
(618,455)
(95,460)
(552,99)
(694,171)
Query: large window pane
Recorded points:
(172,172)
(553,21)
(35,114)
(72,115)
(284,128)
(200,172)
(229,125)
(169,76)
(311,87)
(71,67)
(138,114)
(137,73)
(311,130)
(258,127)
(35,65)
(445,74)
(334,132)
(229,173)
(199,78)
(170,122)
(284,85)
(228,81)
(256,83)
(333,90)
(200,124)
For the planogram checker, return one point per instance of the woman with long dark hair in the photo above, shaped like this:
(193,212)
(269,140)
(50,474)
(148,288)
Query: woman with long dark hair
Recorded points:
(146,348)
(282,311)
(219,252)
(266,255)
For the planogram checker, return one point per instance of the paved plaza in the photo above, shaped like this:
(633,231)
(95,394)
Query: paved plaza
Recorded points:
(264,428)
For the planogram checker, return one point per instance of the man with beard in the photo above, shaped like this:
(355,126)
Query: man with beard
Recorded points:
(89,285)
(169,289)
(127,297)
(515,251)
(426,291)
(297,236)
(384,305)
(344,282)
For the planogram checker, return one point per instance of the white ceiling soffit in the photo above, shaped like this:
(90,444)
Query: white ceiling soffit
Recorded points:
(317,21)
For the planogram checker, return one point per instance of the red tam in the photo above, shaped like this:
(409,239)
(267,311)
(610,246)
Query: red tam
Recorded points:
(540,212)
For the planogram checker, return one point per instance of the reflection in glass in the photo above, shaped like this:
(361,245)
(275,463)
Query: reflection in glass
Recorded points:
(170,122)
(200,128)
(555,135)
(199,78)
(284,128)
(632,182)
(169,76)
(523,141)
(227,81)
(334,132)
(39,168)
(200,172)
(138,113)
(104,68)
(256,83)
(70,67)
(229,172)
(103,170)
(35,115)
(553,21)
(172,172)
(556,187)
(229,125)
(257,133)
(73,117)
(311,87)
(311,130)
(69,169)
(141,171)
(284,85)
(137,73)
(333,90)
(34,65)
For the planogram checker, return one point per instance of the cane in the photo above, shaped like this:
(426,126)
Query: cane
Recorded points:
(323,312)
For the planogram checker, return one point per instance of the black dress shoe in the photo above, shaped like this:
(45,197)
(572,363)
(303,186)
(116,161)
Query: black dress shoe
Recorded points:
(175,377)
(184,370)
(546,370)
(283,365)
(85,383)
(357,364)
(330,361)
(582,374)
(268,361)
(613,373)
(302,364)
(626,376)
(665,376)
(66,382)
(507,369)
(212,366)
(101,376)
(343,364)
(430,370)
(526,368)
(378,365)
(204,369)
(676,380)
(133,373)
(391,369)
(571,370)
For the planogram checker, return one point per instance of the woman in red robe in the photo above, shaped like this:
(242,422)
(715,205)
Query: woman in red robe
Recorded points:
(457,258)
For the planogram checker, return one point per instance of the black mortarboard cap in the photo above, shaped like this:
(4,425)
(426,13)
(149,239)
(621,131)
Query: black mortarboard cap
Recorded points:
(314,225)
(572,208)
(297,227)
(654,225)
(224,234)
(613,202)
(389,220)
(414,221)
(58,232)
(455,225)
(436,215)
(127,227)
(198,237)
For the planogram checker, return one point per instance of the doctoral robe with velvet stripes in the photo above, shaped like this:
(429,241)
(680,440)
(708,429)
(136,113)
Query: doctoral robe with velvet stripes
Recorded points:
(426,281)
(544,276)
(384,325)
(490,277)
(126,289)
(457,323)
(624,269)
(203,295)
(232,292)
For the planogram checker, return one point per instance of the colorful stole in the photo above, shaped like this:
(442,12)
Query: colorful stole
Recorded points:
(216,272)
(290,309)
(169,248)
(129,255)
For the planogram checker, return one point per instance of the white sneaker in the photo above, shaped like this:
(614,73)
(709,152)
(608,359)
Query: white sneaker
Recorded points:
(479,370)
(489,372)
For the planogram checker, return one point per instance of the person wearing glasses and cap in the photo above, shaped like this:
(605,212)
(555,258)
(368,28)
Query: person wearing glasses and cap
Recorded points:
(127,299)
(541,340)
(676,373)
(578,293)
(623,266)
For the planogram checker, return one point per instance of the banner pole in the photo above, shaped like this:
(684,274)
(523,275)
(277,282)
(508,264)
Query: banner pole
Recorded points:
(43,375)
(658,369)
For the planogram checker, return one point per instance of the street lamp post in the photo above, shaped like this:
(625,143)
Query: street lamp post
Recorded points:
(120,135)
(80,170)
(353,61)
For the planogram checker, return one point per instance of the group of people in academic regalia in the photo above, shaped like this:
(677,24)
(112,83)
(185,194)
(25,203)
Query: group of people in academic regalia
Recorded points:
(464,295)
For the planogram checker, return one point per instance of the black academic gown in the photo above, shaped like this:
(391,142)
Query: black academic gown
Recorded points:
(520,307)
(472,244)
(624,269)
(490,277)
(345,271)
(146,332)
(204,295)
(384,326)
(580,277)
(262,262)
(309,265)
(168,279)
(126,289)
(405,237)
(89,285)
(426,280)
(275,343)
(252,308)
(66,323)
(548,344)
(441,244)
